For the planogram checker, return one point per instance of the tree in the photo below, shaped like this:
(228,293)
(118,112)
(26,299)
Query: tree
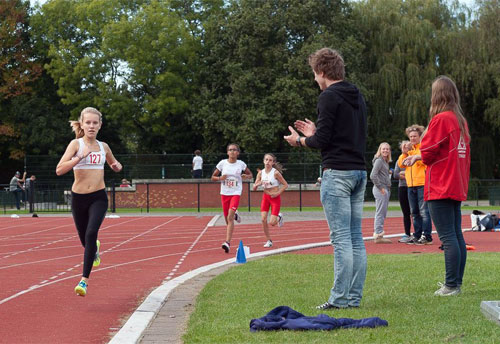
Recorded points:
(255,80)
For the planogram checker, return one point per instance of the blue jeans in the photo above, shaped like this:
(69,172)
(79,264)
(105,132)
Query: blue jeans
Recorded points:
(420,213)
(342,195)
(447,218)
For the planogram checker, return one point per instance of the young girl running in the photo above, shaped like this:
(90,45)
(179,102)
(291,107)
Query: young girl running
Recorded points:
(273,183)
(230,173)
(89,202)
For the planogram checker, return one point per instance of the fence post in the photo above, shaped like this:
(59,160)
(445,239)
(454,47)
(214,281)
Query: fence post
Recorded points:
(198,196)
(113,193)
(147,197)
(249,208)
(300,196)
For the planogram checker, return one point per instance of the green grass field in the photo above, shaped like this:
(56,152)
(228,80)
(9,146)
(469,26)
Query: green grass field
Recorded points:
(399,289)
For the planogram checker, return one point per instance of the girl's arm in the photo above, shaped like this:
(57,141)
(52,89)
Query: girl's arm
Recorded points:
(111,160)
(258,181)
(69,160)
(283,186)
(247,174)
(215,176)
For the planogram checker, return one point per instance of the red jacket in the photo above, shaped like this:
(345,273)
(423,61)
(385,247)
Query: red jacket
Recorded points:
(447,156)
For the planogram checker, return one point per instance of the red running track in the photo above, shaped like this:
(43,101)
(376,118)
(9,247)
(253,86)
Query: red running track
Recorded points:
(41,262)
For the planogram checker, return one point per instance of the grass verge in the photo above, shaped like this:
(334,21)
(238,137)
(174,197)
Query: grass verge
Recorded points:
(398,288)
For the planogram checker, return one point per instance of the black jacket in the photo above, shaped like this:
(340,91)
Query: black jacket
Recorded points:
(341,127)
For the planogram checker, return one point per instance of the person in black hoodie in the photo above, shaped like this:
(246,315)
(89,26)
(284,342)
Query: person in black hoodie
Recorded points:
(340,134)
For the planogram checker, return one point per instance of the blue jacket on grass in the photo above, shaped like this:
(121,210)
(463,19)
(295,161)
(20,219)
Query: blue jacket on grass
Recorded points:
(285,318)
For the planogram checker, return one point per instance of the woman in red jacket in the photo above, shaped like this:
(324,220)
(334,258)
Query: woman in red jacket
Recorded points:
(446,152)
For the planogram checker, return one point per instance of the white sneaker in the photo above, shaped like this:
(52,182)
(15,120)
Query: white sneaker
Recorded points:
(237,217)
(281,220)
(269,243)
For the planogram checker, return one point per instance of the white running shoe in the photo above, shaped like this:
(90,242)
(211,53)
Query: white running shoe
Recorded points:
(237,217)
(269,243)
(281,221)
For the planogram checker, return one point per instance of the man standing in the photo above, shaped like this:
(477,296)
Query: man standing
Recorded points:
(17,188)
(29,185)
(415,179)
(340,133)
(197,164)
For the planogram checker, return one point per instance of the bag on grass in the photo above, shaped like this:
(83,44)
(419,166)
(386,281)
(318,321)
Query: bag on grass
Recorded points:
(482,222)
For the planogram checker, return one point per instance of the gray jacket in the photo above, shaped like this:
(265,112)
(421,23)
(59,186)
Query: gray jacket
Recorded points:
(380,174)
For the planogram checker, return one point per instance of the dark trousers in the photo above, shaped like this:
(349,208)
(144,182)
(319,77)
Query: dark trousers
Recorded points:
(447,219)
(197,173)
(88,213)
(18,195)
(405,208)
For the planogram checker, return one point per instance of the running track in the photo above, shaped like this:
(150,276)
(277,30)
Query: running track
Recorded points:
(41,262)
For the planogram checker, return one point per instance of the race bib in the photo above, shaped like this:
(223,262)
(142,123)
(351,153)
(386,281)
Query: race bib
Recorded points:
(94,158)
(231,183)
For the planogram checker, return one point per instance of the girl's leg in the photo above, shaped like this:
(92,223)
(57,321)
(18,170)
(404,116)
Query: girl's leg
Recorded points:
(275,210)
(97,211)
(234,202)
(264,209)
(80,204)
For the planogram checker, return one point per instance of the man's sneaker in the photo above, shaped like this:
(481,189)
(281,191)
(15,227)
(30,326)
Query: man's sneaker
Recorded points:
(81,288)
(423,241)
(97,258)
(412,240)
(405,239)
(269,243)
(225,246)
(237,217)
(447,291)
(327,305)
(281,221)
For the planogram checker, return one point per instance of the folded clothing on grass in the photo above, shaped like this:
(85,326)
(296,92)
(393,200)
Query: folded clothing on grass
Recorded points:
(285,318)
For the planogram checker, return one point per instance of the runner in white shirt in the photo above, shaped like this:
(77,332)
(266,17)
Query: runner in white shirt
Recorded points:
(231,172)
(274,184)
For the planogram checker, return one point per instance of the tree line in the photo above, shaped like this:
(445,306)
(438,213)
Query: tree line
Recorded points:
(179,75)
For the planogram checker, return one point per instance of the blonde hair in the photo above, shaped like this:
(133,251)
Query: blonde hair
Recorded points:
(278,166)
(402,143)
(415,127)
(445,97)
(77,125)
(379,152)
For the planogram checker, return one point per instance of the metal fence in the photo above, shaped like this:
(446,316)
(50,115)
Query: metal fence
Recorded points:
(197,195)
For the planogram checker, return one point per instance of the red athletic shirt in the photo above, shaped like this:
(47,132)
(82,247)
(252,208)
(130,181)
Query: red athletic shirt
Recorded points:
(447,155)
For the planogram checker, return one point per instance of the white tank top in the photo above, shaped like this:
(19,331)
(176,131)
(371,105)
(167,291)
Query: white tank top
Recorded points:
(93,161)
(268,179)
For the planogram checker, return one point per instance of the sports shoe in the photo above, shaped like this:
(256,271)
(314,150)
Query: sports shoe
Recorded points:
(269,243)
(423,241)
(382,240)
(405,239)
(97,258)
(412,240)
(237,217)
(327,305)
(281,221)
(444,290)
(225,246)
(81,288)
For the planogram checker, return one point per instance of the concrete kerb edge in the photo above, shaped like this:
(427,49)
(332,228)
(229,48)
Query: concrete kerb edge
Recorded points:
(132,330)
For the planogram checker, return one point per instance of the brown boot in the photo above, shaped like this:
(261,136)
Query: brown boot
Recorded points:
(382,240)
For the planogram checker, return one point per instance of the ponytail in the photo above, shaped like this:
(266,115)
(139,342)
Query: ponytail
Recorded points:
(77,128)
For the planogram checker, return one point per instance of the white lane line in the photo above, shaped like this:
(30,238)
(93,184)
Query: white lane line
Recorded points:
(33,287)
(181,260)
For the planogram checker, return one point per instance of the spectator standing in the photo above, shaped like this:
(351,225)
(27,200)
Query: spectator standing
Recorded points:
(340,134)
(29,185)
(17,189)
(415,179)
(381,178)
(197,164)
(399,174)
(445,149)
(125,183)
